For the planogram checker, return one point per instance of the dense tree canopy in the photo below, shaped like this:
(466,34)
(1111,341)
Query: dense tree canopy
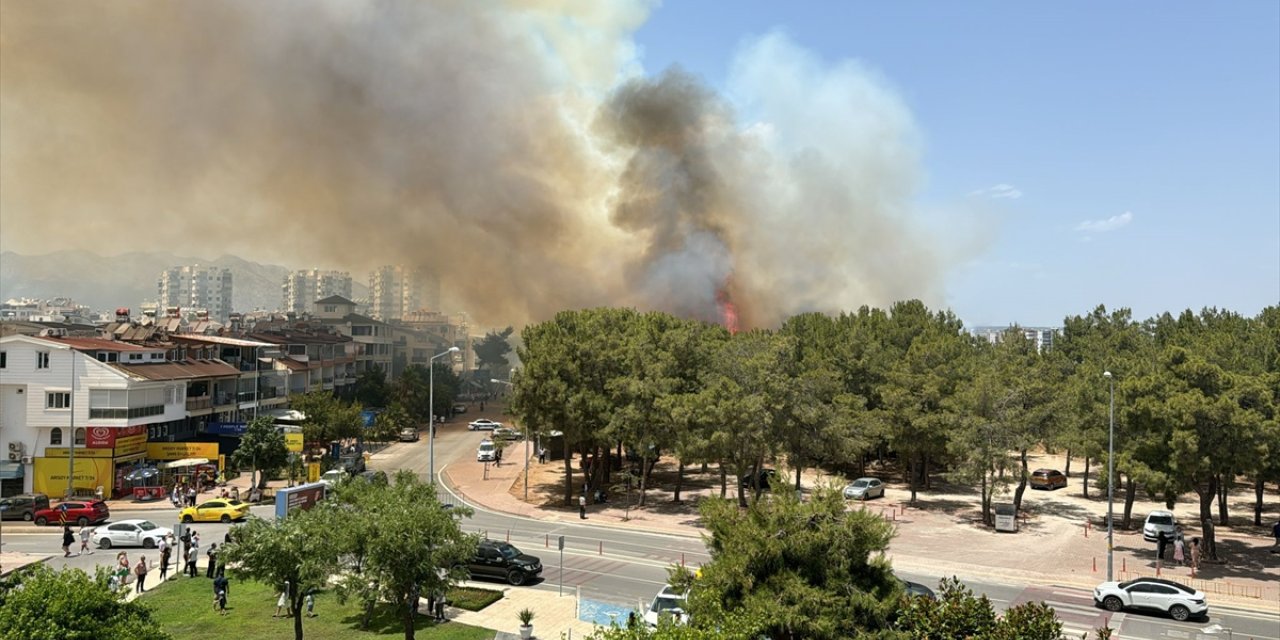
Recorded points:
(38,603)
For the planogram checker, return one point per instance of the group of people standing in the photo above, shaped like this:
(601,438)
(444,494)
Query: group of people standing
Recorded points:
(1183,553)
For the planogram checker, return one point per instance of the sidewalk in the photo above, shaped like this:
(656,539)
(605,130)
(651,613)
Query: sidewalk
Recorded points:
(936,537)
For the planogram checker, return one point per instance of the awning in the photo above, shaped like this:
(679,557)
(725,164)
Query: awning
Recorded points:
(11,470)
(133,457)
(185,462)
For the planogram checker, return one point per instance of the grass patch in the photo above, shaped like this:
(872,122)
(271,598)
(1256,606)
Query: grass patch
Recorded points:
(184,608)
(472,598)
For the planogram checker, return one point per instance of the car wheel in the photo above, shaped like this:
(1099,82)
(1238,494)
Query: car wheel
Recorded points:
(517,578)
(148,543)
(82,521)
(188,519)
(105,543)
(27,516)
(41,521)
(1179,612)
(1112,603)
(225,519)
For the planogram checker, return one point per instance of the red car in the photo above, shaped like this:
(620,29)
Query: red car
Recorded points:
(78,513)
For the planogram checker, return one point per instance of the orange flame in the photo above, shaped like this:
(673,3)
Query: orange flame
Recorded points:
(728,310)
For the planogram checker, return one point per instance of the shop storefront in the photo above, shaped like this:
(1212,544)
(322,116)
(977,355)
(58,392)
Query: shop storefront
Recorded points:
(109,454)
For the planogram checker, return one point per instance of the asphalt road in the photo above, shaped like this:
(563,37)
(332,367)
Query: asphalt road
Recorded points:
(625,567)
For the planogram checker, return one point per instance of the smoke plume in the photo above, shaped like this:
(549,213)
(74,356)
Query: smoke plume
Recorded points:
(516,149)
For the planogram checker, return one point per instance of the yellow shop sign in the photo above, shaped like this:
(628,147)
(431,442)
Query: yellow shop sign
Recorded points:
(63,452)
(182,450)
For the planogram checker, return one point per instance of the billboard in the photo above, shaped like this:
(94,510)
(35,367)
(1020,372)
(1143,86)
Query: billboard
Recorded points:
(50,475)
(182,450)
(106,437)
(293,442)
(303,497)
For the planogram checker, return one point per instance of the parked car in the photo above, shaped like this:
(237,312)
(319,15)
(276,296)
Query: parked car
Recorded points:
(74,512)
(459,408)
(766,477)
(334,476)
(1047,479)
(129,533)
(507,433)
(668,602)
(864,489)
(215,511)
(915,589)
(1158,521)
(1153,594)
(488,451)
(483,424)
(503,561)
(352,463)
(409,434)
(23,506)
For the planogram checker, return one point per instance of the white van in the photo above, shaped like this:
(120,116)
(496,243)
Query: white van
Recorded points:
(487,451)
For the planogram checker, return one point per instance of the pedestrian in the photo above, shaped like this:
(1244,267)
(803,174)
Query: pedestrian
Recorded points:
(195,540)
(282,601)
(67,539)
(1178,555)
(1161,541)
(165,552)
(311,603)
(140,574)
(542,455)
(191,496)
(235,493)
(1195,554)
(582,506)
(497,456)
(193,556)
(212,554)
(85,531)
(220,594)
(1275,532)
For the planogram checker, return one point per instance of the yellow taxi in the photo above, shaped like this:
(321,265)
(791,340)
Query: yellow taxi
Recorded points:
(220,510)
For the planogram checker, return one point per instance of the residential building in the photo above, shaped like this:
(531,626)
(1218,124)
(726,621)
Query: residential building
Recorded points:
(372,338)
(440,330)
(301,288)
(1042,337)
(196,287)
(394,291)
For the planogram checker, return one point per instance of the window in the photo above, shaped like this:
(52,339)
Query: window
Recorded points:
(42,359)
(55,435)
(80,433)
(3,360)
(57,400)
(330,308)
(361,330)
(135,356)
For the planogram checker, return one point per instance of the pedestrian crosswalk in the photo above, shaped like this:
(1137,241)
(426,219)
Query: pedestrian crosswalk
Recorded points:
(1076,611)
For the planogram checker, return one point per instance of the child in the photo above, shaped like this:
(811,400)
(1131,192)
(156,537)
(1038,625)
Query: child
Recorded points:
(311,604)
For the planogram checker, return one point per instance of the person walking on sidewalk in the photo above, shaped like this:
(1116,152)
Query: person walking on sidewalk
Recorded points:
(165,552)
(67,539)
(84,539)
(140,574)
(582,506)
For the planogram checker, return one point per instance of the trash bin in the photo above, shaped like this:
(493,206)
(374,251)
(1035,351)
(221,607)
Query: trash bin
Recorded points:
(1006,518)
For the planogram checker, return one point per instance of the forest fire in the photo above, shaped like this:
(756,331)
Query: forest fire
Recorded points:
(728,310)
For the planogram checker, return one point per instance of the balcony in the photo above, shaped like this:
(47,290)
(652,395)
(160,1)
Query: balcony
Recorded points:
(125,414)
(224,398)
(200,402)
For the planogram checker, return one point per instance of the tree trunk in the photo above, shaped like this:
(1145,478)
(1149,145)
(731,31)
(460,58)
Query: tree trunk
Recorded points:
(755,480)
(410,612)
(1257,500)
(644,460)
(911,476)
(296,604)
(924,472)
(568,475)
(798,470)
(1207,494)
(679,480)
(724,481)
(1022,482)
(1086,476)
(984,503)
(1067,471)
(1130,493)
(1208,544)
(704,466)
(1224,486)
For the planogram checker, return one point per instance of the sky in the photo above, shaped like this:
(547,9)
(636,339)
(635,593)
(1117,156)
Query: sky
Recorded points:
(1124,154)
(1016,162)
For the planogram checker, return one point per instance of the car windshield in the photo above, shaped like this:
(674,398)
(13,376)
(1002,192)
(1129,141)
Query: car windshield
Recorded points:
(1160,519)
(860,483)
(665,603)
(146,526)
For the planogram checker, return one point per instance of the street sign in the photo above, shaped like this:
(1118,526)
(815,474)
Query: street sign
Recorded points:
(560,543)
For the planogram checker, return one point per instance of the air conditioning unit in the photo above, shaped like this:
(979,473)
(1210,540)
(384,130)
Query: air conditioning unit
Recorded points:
(15,446)
(14,456)
(26,459)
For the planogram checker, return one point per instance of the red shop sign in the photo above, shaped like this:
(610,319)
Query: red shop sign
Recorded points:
(105,437)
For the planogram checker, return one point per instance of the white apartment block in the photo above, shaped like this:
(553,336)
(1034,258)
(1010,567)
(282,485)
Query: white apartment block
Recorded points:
(301,289)
(1042,337)
(395,291)
(195,287)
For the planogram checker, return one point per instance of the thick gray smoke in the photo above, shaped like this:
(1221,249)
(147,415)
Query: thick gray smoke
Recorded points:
(514,148)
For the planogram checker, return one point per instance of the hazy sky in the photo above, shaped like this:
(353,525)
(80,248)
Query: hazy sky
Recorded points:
(1121,153)
(1016,161)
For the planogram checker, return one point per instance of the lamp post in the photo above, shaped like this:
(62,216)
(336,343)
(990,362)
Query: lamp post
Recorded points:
(526,446)
(71,444)
(431,413)
(1111,465)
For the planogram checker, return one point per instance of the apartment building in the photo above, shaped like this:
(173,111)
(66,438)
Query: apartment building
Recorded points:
(372,339)
(302,288)
(196,287)
(1042,337)
(395,291)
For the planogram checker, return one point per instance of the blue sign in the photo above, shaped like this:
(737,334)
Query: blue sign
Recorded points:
(225,428)
(369,416)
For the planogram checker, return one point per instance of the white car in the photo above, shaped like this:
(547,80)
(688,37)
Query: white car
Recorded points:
(864,489)
(1158,521)
(668,602)
(129,533)
(1153,594)
(487,451)
(482,424)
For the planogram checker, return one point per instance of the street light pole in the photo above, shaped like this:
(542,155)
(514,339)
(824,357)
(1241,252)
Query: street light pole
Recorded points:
(71,444)
(431,414)
(526,446)
(1111,465)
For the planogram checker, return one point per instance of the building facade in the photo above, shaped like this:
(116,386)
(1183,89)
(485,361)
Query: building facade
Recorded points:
(302,288)
(395,291)
(197,287)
